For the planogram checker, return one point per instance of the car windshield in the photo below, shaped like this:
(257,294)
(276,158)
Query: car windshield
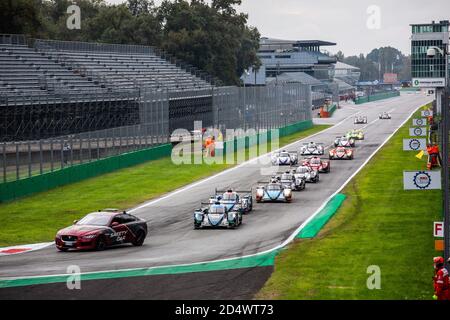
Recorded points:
(217,209)
(273,187)
(302,170)
(286,177)
(95,219)
(284,154)
(315,161)
(230,196)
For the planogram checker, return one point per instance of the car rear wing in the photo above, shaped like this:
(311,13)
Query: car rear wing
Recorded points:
(220,192)
(316,143)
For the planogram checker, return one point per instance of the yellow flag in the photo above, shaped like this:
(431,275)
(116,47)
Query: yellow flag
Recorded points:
(420,155)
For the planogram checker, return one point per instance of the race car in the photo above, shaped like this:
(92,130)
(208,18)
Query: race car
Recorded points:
(344,142)
(384,116)
(360,120)
(290,181)
(273,191)
(312,148)
(305,172)
(234,200)
(317,164)
(217,215)
(285,158)
(102,229)
(355,134)
(341,153)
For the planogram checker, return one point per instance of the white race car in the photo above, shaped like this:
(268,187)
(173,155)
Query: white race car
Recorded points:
(360,120)
(384,116)
(344,142)
(312,149)
(284,158)
(290,181)
(304,172)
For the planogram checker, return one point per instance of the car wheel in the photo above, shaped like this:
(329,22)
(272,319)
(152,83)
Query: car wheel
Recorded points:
(139,240)
(101,244)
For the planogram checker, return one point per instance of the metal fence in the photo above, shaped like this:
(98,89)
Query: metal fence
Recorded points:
(78,132)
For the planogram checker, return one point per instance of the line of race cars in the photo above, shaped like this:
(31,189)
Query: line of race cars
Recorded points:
(226,208)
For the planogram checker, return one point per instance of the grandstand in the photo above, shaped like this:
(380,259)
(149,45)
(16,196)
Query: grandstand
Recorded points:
(66,103)
(76,87)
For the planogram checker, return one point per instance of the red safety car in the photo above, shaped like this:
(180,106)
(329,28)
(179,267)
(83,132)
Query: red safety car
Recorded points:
(316,163)
(102,229)
(341,153)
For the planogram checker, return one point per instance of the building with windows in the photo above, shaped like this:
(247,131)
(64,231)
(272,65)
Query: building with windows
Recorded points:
(286,56)
(347,73)
(426,69)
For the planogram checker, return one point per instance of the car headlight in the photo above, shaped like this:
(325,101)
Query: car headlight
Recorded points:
(198,216)
(89,237)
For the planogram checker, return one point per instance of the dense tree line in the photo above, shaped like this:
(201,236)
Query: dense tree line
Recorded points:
(211,36)
(378,62)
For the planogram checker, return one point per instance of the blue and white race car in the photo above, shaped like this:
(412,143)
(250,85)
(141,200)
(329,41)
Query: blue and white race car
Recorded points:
(217,215)
(273,191)
(234,200)
(284,158)
(312,149)
(344,142)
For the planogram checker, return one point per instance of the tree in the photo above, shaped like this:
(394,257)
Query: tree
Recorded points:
(139,7)
(20,17)
(212,37)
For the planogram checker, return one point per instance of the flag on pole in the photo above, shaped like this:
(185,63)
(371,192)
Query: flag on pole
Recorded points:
(420,155)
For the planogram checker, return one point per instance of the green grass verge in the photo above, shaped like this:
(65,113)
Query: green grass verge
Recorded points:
(38,217)
(379,224)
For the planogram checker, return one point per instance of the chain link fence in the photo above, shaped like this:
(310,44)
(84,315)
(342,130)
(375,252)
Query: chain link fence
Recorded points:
(42,136)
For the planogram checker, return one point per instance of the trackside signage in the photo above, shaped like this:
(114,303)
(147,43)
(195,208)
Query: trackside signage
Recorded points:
(414,144)
(418,132)
(419,122)
(427,113)
(438,230)
(421,180)
(428,82)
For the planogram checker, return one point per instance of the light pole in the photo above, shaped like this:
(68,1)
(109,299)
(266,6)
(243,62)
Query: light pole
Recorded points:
(431,53)
(247,74)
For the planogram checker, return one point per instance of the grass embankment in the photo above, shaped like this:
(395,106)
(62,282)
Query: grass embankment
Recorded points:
(379,224)
(38,217)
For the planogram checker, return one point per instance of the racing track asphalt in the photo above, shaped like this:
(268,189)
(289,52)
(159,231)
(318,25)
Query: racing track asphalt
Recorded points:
(172,239)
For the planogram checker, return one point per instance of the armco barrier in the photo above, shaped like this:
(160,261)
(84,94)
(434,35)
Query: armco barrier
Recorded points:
(24,187)
(376,97)
(20,188)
